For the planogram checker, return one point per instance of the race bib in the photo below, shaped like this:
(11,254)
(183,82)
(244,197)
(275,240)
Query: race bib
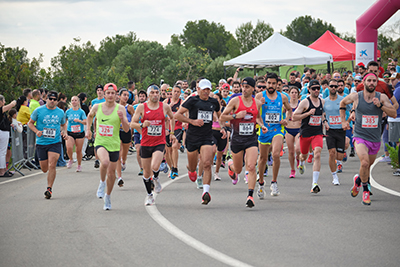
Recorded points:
(315,120)
(106,130)
(369,121)
(335,120)
(76,128)
(206,116)
(246,128)
(49,132)
(154,130)
(272,117)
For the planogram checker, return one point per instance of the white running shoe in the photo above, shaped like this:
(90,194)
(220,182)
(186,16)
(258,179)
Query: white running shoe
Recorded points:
(120,182)
(107,203)
(100,190)
(216,177)
(149,200)
(261,191)
(157,187)
(335,181)
(199,182)
(123,166)
(274,189)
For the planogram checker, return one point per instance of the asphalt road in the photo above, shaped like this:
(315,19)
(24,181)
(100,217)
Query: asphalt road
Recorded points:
(294,229)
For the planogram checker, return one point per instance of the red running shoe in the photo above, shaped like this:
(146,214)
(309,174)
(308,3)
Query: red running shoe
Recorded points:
(310,157)
(366,200)
(232,174)
(192,176)
(356,187)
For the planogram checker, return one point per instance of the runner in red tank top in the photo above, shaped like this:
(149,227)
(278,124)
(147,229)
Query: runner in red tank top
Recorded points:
(152,114)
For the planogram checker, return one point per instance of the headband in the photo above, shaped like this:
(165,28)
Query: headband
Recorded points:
(369,74)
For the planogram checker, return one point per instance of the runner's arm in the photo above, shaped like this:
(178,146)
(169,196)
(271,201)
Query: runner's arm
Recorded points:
(135,120)
(124,121)
(387,107)
(231,107)
(298,113)
(168,111)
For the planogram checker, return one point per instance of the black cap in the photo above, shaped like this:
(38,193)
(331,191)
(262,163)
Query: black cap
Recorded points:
(395,59)
(99,86)
(312,83)
(250,81)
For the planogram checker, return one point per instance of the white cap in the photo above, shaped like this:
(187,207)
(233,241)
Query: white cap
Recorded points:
(204,84)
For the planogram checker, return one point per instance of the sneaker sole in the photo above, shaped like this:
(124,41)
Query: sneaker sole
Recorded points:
(206,199)
(120,183)
(316,190)
(250,203)
(47,195)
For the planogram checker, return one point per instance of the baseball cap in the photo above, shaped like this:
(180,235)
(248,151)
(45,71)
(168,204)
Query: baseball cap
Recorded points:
(250,81)
(361,65)
(395,59)
(99,86)
(205,84)
(395,75)
(225,86)
(108,85)
(152,87)
(313,83)
(358,78)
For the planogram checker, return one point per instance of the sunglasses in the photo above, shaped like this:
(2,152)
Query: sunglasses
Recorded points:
(386,77)
(333,86)
(286,90)
(52,99)
(315,88)
(261,86)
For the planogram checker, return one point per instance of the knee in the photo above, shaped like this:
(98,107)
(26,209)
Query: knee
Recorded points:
(263,158)
(276,155)
(364,164)
(317,155)
(251,168)
(207,164)
(104,163)
(332,153)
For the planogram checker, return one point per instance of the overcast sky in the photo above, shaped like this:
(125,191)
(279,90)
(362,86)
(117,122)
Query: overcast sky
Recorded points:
(45,26)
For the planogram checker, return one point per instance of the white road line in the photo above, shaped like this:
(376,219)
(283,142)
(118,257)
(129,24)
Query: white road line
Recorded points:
(21,178)
(194,243)
(378,186)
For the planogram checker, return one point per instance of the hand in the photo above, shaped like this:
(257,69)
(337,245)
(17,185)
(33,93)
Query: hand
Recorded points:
(197,123)
(120,114)
(39,133)
(241,114)
(284,122)
(352,116)
(262,99)
(64,135)
(146,123)
(345,125)
(326,124)
(223,133)
(376,102)
(76,120)
(264,129)
(312,111)
(88,134)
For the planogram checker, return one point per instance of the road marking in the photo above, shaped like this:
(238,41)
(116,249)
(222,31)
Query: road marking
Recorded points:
(378,186)
(194,243)
(20,178)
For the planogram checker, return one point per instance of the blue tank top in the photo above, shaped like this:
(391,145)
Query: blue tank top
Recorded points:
(128,115)
(332,112)
(271,112)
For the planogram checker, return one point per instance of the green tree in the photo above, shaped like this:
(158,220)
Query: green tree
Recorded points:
(250,37)
(110,46)
(205,36)
(306,30)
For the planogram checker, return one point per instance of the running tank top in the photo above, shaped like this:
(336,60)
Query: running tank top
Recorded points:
(107,129)
(128,115)
(368,119)
(244,130)
(174,109)
(154,134)
(271,113)
(293,109)
(312,125)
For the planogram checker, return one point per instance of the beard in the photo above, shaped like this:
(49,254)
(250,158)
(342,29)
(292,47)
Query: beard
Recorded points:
(370,89)
(271,90)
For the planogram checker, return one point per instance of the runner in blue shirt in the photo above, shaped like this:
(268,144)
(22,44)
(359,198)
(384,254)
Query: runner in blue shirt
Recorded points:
(100,99)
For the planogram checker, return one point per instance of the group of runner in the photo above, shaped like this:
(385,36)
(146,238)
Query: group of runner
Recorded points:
(256,120)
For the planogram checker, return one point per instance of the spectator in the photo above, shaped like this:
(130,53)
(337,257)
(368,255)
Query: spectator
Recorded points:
(4,134)
(23,111)
(43,97)
(28,94)
(17,126)
(83,98)
(34,104)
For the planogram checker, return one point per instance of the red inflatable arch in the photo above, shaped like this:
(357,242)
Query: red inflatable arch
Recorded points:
(367,28)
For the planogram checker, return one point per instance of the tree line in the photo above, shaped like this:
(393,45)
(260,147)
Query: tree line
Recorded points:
(199,50)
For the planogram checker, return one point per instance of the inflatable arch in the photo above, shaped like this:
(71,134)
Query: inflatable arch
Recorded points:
(367,28)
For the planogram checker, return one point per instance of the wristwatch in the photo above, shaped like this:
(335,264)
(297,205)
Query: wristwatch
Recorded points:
(234,116)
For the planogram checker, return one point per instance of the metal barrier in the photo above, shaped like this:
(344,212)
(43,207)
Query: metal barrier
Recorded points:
(17,151)
(31,147)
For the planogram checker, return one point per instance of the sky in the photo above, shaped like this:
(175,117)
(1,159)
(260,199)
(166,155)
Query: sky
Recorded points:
(47,25)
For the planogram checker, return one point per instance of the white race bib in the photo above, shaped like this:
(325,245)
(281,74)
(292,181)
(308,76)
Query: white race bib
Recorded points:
(49,132)
(106,130)
(315,120)
(246,128)
(369,121)
(335,120)
(206,116)
(272,117)
(76,128)
(154,130)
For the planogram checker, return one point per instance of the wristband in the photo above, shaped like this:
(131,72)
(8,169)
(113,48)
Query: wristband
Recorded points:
(352,111)
(342,108)
(324,120)
(141,125)
(381,106)
(171,132)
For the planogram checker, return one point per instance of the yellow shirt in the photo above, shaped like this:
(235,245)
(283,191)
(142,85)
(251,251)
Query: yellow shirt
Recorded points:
(23,115)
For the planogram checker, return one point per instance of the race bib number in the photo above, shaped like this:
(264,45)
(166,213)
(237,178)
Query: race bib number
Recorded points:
(206,116)
(272,117)
(369,121)
(335,120)
(154,130)
(106,130)
(315,120)
(246,128)
(49,132)
(76,128)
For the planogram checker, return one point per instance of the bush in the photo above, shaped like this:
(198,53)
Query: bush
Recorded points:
(393,154)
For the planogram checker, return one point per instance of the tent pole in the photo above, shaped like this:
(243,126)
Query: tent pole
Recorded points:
(224,72)
(254,71)
(328,63)
(352,65)
(333,67)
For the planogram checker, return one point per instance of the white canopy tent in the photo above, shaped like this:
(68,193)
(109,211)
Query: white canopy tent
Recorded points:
(278,50)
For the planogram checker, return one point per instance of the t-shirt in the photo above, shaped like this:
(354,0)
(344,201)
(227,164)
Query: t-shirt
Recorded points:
(33,105)
(70,116)
(200,109)
(48,121)
(4,122)
(381,87)
(23,115)
(295,84)
(97,101)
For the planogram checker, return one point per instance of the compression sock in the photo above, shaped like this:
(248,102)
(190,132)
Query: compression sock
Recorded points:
(147,184)
(315,177)
(251,191)
(206,188)
(365,187)
(156,174)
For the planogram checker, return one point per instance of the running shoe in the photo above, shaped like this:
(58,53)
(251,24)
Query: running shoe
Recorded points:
(270,160)
(345,157)
(261,191)
(149,200)
(192,176)
(352,153)
(266,172)
(199,182)
(206,198)
(96,163)
(310,158)
(69,164)
(48,193)
(356,187)
(107,203)
(100,190)
(282,152)
(292,174)
(223,164)
(79,168)
(385,159)
(162,166)
(232,175)
(396,172)
(298,163)
(250,202)
(315,188)
(340,168)
(166,169)
(120,182)
(302,169)
(157,186)
(174,174)
(245,178)
(335,181)
(216,177)
(274,190)
(365,199)
(141,172)
(182,149)
(123,166)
